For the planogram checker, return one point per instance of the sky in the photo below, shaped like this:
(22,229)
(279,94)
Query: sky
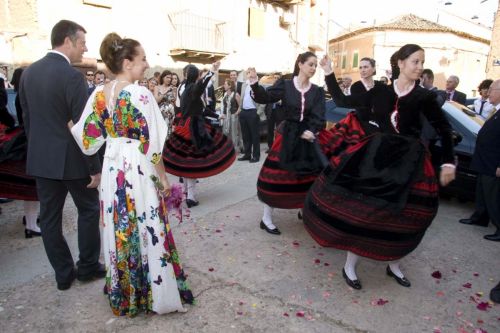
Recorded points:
(352,14)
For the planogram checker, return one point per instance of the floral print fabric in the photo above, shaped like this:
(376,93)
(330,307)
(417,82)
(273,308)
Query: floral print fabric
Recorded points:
(143,267)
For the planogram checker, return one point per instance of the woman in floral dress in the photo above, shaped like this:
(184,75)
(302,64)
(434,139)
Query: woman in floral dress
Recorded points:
(143,267)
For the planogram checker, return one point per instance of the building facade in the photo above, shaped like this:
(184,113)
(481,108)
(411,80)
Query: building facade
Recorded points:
(447,51)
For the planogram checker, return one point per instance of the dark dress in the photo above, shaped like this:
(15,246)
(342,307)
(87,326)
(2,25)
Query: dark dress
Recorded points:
(379,193)
(196,149)
(293,163)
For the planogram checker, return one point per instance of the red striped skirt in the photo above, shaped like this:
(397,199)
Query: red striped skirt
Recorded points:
(336,216)
(181,158)
(14,183)
(281,188)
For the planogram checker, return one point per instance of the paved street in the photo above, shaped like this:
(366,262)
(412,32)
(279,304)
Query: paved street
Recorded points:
(246,280)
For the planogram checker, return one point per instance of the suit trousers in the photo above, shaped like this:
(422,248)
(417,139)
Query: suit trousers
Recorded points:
(249,121)
(480,214)
(489,189)
(52,195)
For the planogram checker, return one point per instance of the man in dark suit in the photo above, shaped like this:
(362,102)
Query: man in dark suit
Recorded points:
(52,93)
(451,94)
(486,162)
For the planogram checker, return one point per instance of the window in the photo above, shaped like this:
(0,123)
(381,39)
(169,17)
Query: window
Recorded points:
(256,19)
(344,61)
(355,58)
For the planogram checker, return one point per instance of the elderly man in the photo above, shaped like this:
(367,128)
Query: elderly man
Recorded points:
(486,162)
(451,94)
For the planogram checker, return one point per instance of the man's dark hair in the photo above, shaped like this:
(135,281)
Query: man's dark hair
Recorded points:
(63,29)
(100,72)
(429,73)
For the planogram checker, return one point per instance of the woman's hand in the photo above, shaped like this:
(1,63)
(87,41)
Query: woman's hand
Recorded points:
(326,65)
(166,186)
(308,135)
(447,175)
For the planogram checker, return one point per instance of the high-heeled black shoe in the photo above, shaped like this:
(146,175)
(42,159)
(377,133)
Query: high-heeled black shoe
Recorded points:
(299,215)
(191,203)
(356,284)
(30,233)
(402,281)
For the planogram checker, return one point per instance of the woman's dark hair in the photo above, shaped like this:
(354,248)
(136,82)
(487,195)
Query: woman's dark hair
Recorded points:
(401,54)
(192,73)
(372,63)
(485,84)
(231,84)
(16,78)
(114,50)
(302,58)
(178,80)
(63,29)
(163,74)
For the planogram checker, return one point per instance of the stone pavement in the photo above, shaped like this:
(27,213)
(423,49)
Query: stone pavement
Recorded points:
(246,280)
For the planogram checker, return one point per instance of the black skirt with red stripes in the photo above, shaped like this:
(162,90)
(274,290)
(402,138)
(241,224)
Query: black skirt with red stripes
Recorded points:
(196,149)
(14,183)
(376,198)
(280,187)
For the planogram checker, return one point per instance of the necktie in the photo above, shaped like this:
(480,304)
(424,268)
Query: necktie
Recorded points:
(481,108)
(448,96)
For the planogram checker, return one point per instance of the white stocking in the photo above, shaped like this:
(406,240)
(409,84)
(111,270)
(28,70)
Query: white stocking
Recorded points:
(350,265)
(267,217)
(394,266)
(31,209)
(191,184)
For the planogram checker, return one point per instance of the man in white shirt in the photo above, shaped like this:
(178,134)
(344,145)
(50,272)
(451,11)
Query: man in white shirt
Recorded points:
(482,105)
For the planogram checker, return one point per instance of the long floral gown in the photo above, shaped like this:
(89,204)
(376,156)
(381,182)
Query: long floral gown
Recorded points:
(143,266)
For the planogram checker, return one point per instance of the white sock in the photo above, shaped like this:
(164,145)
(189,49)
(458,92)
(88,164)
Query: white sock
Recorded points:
(394,266)
(350,265)
(31,209)
(267,217)
(191,184)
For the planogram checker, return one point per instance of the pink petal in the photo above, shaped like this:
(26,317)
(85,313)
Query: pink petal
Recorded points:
(467,285)
(217,230)
(300,314)
(317,261)
(286,314)
(476,274)
(296,244)
(211,269)
(326,264)
(483,306)
(436,274)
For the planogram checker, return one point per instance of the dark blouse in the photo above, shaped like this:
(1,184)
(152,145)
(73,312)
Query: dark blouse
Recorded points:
(358,87)
(284,90)
(376,106)
(191,103)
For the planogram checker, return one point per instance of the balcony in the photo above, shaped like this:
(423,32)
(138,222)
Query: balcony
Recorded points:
(196,38)
(284,3)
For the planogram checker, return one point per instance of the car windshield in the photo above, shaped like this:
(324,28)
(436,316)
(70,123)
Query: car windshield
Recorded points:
(468,112)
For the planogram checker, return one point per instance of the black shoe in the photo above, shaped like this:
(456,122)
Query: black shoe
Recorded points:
(495,294)
(191,203)
(494,237)
(181,180)
(351,283)
(299,215)
(244,158)
(99,273)
(5,200)
(254,160)
(474,222)
(67,285)
(274,231)
(402,281)
(30,233)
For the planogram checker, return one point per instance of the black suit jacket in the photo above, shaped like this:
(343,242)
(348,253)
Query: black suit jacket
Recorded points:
(486,157)
(52,93)
(458,96)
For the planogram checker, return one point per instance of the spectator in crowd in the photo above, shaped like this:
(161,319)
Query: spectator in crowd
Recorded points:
(229,109)
(274,115)
(450,93)
(143,82)
(482,105)
(54,158)
(5,117)
(346,82)
(233,75)
(152,83)
(99,79)
(90,79)
(384,80)
(427,80)
(486,162)
(366,71)
(249,121)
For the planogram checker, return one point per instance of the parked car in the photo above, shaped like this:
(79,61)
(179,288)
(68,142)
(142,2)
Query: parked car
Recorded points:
(466,124)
